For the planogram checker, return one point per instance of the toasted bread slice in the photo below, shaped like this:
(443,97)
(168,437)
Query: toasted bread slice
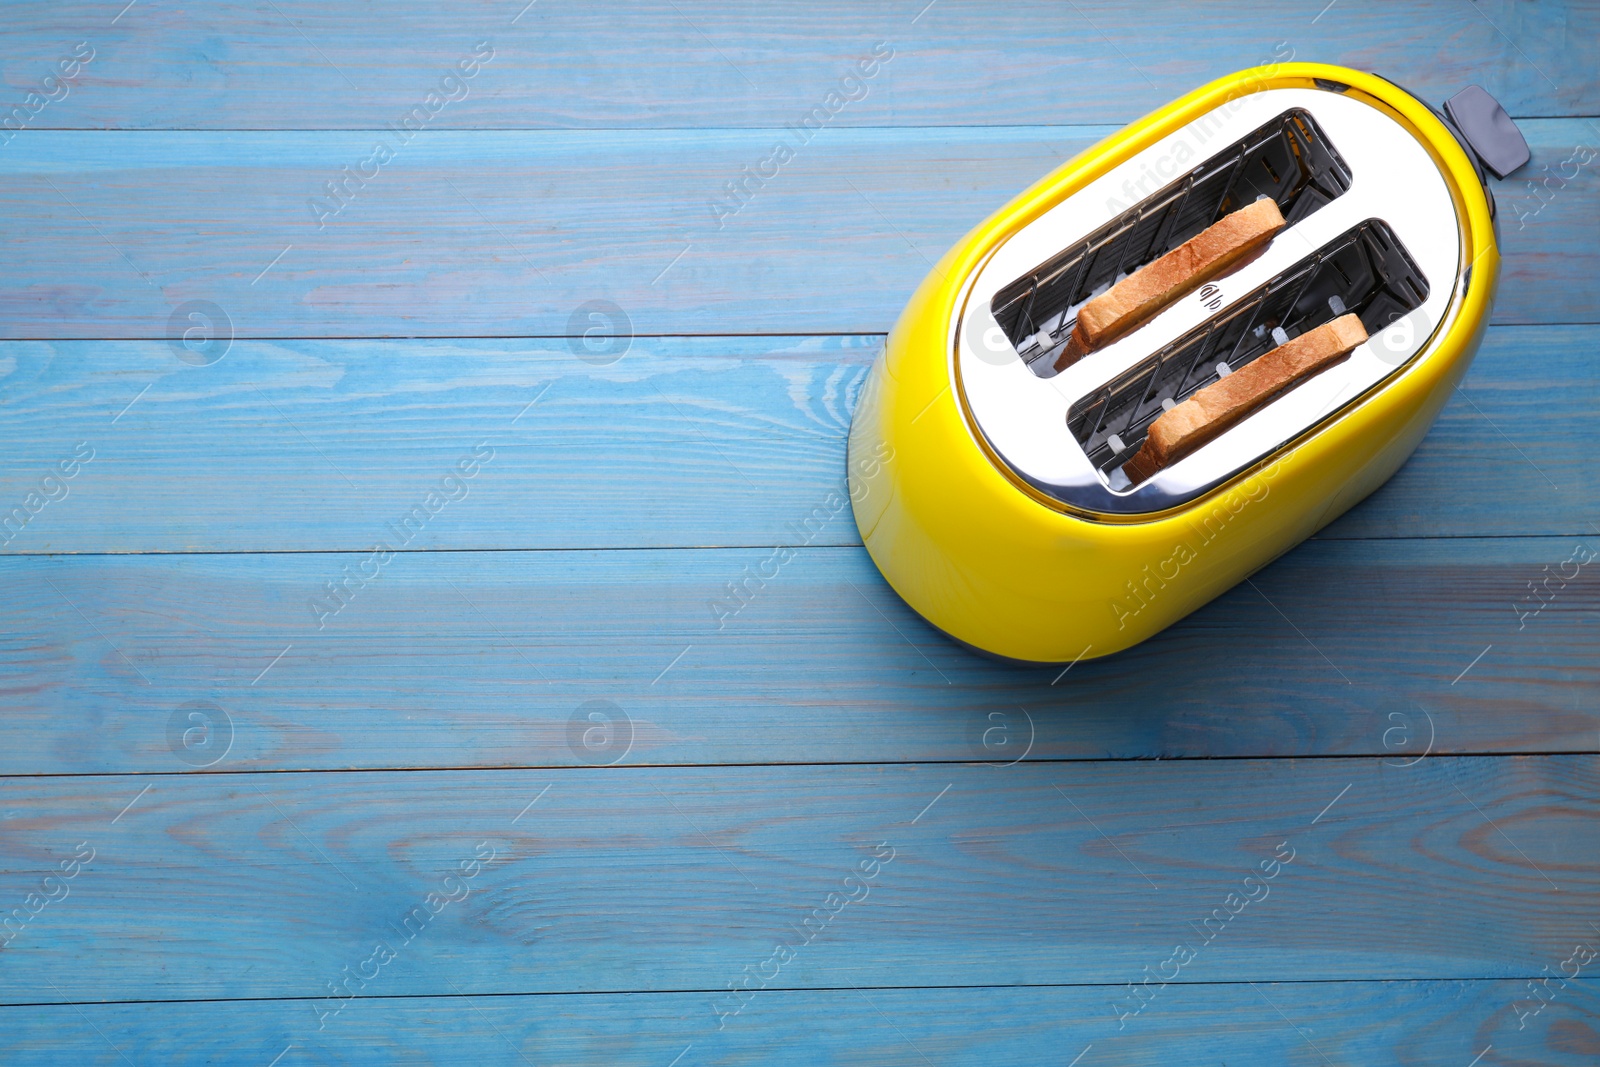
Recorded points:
(1187,426)
(1138,297)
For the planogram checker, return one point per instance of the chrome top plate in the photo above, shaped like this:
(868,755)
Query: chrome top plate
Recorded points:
(1024,417)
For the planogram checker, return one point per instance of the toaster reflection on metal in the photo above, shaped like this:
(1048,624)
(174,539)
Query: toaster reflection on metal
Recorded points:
(989,487)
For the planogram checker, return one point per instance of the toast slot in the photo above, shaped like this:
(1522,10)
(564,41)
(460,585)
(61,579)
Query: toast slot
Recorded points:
(1287,159)
(1184,427)
(1365,272)
(1144,293)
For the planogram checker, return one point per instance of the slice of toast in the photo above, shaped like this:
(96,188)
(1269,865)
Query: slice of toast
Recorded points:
(1186,426)
(1139,296)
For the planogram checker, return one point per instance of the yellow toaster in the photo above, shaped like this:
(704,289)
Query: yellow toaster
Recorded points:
(986,470)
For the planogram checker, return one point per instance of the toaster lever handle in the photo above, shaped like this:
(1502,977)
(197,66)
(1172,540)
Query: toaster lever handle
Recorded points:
(1488,131)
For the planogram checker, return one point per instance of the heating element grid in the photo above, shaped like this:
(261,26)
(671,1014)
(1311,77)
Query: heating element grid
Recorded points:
(1366,271)
(1289,159)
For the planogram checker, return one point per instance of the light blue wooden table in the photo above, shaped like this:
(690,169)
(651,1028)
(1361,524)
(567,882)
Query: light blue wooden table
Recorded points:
(517,792)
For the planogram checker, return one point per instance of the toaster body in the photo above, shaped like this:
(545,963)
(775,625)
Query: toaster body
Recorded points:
(987,486)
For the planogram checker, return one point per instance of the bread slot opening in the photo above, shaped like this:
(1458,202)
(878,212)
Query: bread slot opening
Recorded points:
(1365,271)
(1288,159)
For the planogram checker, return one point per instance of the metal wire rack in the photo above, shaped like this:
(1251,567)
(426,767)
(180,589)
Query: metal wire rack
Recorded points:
(1365,271)
(1288,159)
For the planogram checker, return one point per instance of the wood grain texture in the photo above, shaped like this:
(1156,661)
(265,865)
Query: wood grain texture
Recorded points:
(301,65)
(315,445)
(624,879)
(1415,1024)
(542,672)
(488,659)
(1525,382)
(510,233)
(308,445)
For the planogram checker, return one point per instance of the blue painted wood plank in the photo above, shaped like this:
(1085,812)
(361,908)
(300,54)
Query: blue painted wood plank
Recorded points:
(308,445)
(631,879)
(462,659)
(1421,1024)
(505,233)
(302,65)
(1506,450)
(317,445)
(675,878)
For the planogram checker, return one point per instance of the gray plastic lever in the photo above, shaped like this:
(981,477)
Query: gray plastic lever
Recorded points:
(1489,131)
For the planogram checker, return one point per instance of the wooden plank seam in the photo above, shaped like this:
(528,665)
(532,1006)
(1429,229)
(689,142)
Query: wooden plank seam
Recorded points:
(1540,992)
(339,192)
(53,485)
(34,903)
(1140,994)
(348,986)
(1544,192)
(797,937)
(53,87)
(854,85)
(454,485)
